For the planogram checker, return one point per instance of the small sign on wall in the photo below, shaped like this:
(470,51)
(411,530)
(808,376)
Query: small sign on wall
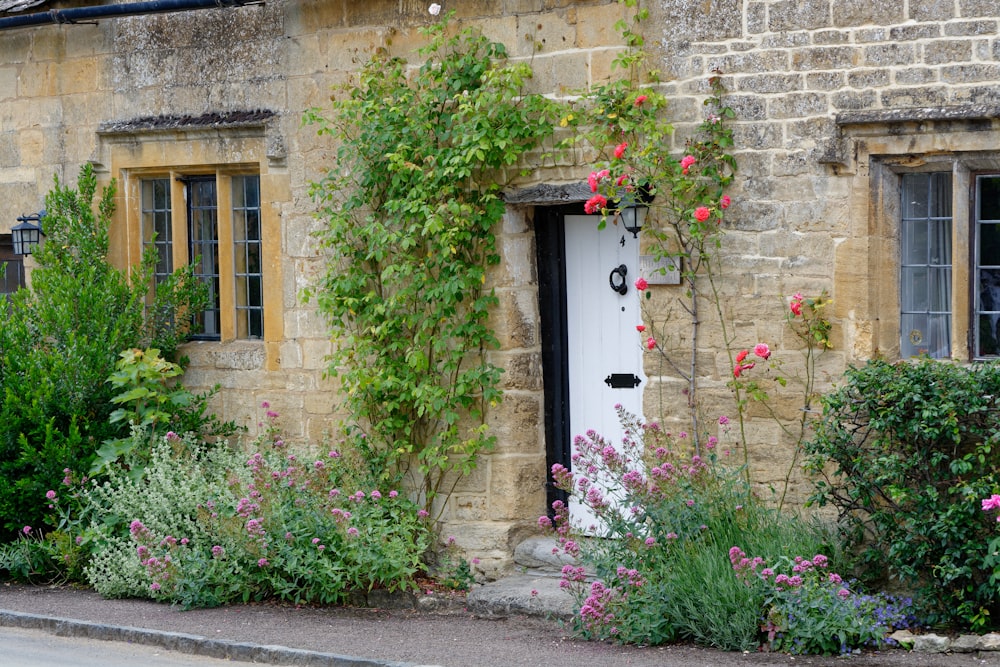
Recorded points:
(665,271)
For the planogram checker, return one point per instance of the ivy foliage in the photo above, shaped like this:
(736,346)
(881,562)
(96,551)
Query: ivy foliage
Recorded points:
(914,446)
(60,339)
(410,211)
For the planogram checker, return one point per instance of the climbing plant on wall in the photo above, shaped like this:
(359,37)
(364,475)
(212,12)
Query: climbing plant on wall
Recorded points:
(410,208)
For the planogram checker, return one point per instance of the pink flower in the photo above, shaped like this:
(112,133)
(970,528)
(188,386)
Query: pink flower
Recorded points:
(991,503)
(393,493)
(650,343)
(762,350)
(724,202)
(622,180)
(592,181)
(640,327)
(423,514)
(262,562)
(620,150)
(843,593)
(702,213)
(641,284)
(796,307)
(376,495)
(723,420)
(650,541)
(26,530)
(595,204)
(639,100)
(741,355)
(51,495)
(265,405)
(686,163)
(352,531)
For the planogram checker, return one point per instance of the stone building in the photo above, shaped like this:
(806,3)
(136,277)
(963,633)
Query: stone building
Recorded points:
(869,168)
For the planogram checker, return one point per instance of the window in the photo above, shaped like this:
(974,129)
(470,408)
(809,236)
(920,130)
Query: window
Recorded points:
(925,259)
(11,268)
(220,232)
(987,266)
(927,317)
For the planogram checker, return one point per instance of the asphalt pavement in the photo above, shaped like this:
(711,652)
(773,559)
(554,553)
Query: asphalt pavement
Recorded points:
(493,627)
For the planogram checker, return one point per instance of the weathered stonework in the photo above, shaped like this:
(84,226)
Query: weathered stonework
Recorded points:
(834,98)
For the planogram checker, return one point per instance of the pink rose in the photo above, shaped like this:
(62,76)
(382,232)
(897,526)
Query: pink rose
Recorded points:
(642,327)
(724,202)
(641,284)
(639,100)
(650,343)
(620,150)
(762,350)
(595,204)
(741,355)
(701,214)
(686,163)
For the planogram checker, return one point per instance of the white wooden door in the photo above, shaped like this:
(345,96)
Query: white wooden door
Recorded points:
(602,340)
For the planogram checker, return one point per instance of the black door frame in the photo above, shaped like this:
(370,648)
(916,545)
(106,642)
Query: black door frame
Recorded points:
(550,251)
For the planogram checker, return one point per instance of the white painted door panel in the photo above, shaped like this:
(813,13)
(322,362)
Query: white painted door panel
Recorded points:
(601,333)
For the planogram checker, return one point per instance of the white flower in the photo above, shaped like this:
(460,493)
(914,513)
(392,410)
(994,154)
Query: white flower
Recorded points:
(434,9)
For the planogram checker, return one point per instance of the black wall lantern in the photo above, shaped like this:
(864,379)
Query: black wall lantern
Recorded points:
(633,207)
(26,236)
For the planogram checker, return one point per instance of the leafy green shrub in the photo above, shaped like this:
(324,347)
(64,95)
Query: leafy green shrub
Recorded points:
(673,517)
(58,344)
(913,445)
(208,525)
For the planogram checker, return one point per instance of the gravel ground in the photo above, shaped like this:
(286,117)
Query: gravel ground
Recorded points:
(453,639)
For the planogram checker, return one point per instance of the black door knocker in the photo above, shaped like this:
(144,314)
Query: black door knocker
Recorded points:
(622,286)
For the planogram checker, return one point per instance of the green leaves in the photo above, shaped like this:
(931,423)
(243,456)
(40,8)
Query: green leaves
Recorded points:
(411,206)
(912,450)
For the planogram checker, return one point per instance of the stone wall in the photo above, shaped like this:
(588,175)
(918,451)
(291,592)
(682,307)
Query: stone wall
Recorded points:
(800,219)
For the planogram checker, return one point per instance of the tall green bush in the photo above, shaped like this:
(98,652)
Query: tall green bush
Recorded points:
(59,341)
(904,452)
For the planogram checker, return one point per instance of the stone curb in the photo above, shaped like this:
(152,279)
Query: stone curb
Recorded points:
(933,643)
(193,644)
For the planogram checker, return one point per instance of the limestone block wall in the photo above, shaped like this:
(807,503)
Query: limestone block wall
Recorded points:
(800,220)
(806,78)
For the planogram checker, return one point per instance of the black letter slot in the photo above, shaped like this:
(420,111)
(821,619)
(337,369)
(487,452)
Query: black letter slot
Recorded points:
(622,381)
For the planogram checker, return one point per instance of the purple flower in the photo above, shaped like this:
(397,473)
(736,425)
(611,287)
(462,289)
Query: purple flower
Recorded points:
(51,495)
(376,495)
(352,531)
(217,551)
(262,562)
(154,587)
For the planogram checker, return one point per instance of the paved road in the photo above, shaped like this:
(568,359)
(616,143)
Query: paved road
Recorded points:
(34,648)
(386,637)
